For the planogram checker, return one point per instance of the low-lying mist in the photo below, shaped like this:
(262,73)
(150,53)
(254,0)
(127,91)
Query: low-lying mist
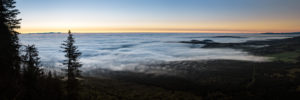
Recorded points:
(130,51)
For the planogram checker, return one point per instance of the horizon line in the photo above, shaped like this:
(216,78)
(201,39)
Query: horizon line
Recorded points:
(144,32)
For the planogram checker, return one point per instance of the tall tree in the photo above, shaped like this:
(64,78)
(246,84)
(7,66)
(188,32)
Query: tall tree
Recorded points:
(31,72)
(31,61)
(9,50)
(73,65)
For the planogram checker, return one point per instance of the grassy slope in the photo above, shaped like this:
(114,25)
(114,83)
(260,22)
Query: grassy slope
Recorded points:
(290,57)
(286,50)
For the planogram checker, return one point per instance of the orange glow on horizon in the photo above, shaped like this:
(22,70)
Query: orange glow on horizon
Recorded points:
(24,31)
(149,30)
(175,27)
(159,16)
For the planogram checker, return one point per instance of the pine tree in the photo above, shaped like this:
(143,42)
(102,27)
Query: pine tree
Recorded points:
(31,64)
(9,51)
(73,65)
(31,72)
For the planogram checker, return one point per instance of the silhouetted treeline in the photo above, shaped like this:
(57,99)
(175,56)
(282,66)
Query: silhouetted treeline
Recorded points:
(35,83)
(21,77)
(10,59)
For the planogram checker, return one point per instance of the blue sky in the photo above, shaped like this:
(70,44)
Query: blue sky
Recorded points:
(160,15)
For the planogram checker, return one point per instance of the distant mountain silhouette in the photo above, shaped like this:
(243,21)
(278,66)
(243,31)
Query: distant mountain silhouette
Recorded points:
(284,33)
(48,33)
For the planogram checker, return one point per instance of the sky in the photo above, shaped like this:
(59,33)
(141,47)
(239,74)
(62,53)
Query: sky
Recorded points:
(164,16)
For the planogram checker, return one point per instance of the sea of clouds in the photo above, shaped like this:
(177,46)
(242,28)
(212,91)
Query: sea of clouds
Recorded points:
(127,51)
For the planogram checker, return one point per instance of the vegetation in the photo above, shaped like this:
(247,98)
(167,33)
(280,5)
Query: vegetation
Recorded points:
(29,83)
(31,72)
(291,57)
(73,73)
(9,56)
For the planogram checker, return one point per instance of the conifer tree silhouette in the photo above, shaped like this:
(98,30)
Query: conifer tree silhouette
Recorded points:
(9,51)
(31,72)
(73,65)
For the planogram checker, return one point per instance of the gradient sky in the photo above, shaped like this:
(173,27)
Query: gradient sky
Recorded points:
(208,16)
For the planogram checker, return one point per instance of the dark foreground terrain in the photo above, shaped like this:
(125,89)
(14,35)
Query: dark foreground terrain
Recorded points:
(220,79)
(278,79)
